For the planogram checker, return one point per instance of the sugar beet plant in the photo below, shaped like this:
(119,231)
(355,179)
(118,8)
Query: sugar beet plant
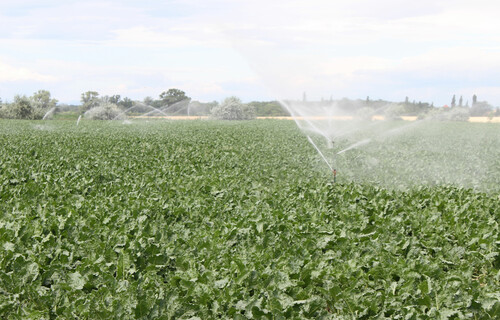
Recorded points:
(211,220)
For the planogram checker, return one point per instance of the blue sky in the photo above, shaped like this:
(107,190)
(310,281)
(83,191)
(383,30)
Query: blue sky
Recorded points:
(256,50)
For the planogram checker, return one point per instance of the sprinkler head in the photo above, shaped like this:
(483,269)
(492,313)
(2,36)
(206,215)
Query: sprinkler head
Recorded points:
(334,175)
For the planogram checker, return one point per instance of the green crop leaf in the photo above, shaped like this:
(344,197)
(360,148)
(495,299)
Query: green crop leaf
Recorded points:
(226,220)
(76,281)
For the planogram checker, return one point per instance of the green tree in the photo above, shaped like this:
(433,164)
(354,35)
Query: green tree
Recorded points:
(126,103)
(115,99)
(481,109)
(33,108)
(89,99)
(105,111)
(460,101)
(268,109)
(172,96)
(474,100)
(233,109)
(395,111)
(41,103)
(143,106)
(453,101)
(148,101)
(21,108)
(42,100)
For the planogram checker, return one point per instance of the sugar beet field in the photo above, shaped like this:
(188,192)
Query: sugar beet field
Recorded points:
(242,220)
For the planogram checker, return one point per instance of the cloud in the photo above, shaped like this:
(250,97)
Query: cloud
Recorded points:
(385,48)
(135,82)
(175,37)
(9,73)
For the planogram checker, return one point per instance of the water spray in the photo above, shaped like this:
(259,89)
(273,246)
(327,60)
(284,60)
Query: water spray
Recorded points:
(357,144)
(48,113)
(334,171)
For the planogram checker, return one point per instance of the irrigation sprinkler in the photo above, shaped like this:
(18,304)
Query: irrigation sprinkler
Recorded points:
(334,175)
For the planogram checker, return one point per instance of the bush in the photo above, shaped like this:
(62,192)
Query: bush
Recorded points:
(269,109)
(105,111)
(31,108)
(458,114)
(21,108)
(365,113)
(448,114)
(3,111)
(233,109)
(481,109)
(394,111)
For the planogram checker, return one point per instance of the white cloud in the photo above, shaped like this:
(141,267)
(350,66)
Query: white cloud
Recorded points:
(140,36)
(383,48)
(9,73)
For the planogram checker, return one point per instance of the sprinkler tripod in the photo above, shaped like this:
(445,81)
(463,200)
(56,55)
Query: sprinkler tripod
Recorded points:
(334,175)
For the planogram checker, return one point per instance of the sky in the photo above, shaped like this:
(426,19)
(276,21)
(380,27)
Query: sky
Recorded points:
(255,50)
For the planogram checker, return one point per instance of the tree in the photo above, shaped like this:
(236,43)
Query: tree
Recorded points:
(148,101)
(89,99)
(42,102)
(395,111)
(197,108)
(365,113)
(145,105)
(481,109)
(453,101)
(105,111)
(33,108)
(460,102)
(474,100)
(172,96)
(407,100)
(115,99)
(21,108)
(126,103)
(233,109)
(268,109)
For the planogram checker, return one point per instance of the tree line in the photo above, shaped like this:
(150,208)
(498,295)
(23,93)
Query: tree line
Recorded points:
(175,102)
(34,107)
